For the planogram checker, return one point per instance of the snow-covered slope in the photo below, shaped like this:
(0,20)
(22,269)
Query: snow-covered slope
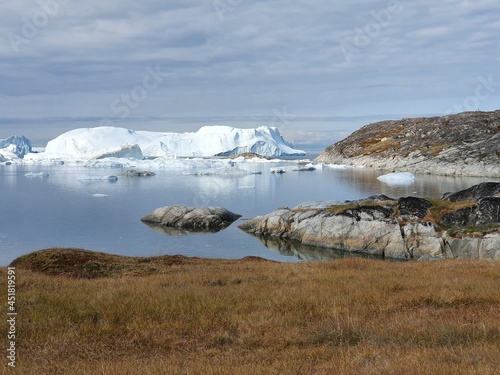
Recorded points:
(206,142)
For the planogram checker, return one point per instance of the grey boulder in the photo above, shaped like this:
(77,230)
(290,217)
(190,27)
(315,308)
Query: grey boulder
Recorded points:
(191,219)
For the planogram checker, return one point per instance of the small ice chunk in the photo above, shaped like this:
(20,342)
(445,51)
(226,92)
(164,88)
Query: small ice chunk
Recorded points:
(40,174)
(401,178)
(111,178)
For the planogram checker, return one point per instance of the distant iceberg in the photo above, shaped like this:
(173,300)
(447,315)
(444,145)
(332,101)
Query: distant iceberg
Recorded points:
(15,146)
(209,141)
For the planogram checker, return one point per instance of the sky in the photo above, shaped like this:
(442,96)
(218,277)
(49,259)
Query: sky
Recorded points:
(317,69)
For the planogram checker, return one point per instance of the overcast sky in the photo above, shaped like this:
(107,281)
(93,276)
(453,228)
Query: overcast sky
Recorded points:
(285,63)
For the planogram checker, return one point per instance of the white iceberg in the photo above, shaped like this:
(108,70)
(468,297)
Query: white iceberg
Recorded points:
(14,147)
(208,141)
(400,178)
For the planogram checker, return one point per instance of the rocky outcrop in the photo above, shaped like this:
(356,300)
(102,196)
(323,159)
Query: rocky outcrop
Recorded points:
(484,212)
(483,190)
(136,173)
(466,144)
(194,219)
(408,228)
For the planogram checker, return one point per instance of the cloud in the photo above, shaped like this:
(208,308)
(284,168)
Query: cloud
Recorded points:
(245,58)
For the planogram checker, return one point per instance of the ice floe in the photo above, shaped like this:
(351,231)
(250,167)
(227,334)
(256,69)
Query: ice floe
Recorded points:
(397,178)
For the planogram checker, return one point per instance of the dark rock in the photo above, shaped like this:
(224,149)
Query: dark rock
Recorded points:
(486,211)
(378,198)
(134,173)
(250,155)
(369,213)
(459,218)
(413,207)
(483,190)
(195,219)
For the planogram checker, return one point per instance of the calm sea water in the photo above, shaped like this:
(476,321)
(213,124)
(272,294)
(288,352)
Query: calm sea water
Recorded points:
(63,211)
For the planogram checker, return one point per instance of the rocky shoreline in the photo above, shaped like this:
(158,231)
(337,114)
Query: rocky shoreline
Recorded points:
(465,144)
(463,225)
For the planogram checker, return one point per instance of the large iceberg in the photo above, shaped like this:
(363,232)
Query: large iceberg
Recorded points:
(208,141)
(15,146)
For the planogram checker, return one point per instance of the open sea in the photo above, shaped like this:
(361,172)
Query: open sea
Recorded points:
(64,211)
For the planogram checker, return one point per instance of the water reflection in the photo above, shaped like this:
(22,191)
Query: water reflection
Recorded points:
(171,231)
(308,252)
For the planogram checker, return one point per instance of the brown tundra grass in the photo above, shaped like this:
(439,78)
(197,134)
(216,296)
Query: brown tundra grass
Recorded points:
(176,315)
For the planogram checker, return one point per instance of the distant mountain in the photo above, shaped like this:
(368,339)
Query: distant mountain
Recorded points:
(465,144)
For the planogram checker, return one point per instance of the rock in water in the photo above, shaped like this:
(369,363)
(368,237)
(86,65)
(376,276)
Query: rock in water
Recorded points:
(196,219)
(410,228)
(135,173)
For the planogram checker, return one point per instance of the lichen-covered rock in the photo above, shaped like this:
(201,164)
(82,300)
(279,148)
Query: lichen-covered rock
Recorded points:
(379,225)
(483,190)
(366,229)
(197,219)
(486,211)
(413,208)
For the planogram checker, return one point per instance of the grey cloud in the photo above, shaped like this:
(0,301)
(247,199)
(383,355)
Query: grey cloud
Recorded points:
(258,56)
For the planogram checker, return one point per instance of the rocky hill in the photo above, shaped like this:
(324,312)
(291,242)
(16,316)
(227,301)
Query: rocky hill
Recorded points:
(465,144)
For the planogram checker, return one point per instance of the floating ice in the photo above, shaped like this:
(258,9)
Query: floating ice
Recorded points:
(97,195)
(110,178)
(40,174)
(397,178)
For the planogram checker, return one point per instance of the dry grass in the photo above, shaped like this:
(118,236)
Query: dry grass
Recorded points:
(380,146)
(249,316)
